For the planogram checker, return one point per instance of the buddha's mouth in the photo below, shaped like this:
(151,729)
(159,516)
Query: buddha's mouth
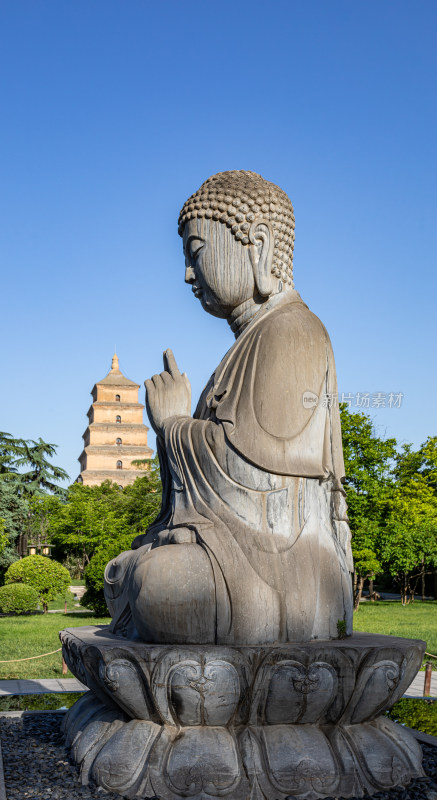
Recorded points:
(196,290)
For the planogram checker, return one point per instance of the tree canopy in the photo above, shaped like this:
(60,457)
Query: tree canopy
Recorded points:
(26,473)
(93,517)
(392,505)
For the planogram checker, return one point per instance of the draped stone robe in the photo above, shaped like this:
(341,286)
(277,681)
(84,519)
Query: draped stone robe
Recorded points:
(256,476)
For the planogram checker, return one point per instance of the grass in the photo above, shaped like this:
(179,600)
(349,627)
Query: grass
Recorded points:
(21,637)
(58,603)
(39,702)
(415,621)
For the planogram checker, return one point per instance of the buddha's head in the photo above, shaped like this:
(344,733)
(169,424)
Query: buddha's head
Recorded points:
(238,237)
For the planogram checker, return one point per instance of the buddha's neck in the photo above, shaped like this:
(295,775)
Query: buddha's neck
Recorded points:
(244,314)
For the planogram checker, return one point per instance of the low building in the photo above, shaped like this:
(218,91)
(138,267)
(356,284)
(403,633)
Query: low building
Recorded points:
(116,434)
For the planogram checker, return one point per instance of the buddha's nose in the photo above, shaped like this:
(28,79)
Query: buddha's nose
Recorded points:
(189,275)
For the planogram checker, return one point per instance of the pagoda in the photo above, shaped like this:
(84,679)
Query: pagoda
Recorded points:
(116,434)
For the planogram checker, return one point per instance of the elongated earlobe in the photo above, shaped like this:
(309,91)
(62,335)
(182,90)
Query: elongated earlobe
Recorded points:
(262,243)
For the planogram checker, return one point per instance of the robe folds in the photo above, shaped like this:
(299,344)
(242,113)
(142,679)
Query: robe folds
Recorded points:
(256,477)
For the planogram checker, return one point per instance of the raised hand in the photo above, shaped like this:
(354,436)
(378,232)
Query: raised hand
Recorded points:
(167,394)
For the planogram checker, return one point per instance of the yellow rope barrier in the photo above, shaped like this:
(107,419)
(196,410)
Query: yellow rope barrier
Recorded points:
(30,658)
(430,654)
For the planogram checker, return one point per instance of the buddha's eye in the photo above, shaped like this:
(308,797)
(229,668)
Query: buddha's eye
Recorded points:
(195,248)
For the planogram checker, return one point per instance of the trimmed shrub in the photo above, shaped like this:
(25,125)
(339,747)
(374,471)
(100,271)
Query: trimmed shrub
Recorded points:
(17,598)
(47,577)
(416,713)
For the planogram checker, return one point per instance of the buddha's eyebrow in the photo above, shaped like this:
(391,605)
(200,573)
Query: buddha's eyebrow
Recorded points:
(194,237)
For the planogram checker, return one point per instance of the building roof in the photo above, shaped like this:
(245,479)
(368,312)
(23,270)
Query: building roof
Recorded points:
(115,377)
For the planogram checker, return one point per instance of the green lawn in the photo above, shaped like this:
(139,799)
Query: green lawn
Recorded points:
(21,637)
(416,621)
(58,603)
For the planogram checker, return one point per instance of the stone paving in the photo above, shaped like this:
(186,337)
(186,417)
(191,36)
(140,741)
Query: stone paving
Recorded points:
(41,686)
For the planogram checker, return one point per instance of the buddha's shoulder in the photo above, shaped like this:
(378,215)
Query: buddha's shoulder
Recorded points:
(291,319)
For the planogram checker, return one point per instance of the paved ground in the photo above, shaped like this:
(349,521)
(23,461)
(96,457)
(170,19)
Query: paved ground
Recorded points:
(415,688)
(44,686)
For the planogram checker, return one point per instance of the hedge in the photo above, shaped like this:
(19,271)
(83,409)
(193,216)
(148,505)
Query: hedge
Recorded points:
(47,577)
(18,598)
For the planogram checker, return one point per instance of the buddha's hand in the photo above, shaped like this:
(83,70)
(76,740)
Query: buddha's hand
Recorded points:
(167,394)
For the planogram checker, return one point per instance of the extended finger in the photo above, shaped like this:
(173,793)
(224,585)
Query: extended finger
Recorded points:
(166,378)
(170,362)
(157,381)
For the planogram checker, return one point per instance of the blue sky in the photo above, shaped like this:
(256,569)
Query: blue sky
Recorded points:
(114,112)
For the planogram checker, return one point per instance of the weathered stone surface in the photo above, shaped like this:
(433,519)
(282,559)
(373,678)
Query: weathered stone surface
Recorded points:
(299,719)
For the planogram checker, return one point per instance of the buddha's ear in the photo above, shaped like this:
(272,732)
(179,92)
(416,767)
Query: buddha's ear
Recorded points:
(261,246)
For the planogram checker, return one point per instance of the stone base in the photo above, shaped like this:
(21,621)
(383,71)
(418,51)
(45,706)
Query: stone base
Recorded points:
(301,719)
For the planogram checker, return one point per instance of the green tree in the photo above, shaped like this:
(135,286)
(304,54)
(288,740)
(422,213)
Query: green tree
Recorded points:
(17,488)
(366,566)
(409,542)
(392,505)
(369,461)
(47,577)
(141,500)
(13,512)
(96,517)
(3,537)
(94,574)
(90,516)
(41,475)
(10,449)
(411,464)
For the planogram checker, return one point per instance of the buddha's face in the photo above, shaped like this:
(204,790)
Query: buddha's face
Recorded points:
(217,266)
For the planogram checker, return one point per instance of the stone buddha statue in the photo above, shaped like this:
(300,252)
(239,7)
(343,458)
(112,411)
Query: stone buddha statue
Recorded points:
(252,544)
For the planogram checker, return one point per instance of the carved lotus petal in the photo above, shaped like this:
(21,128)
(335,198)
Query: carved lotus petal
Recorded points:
(124,759)
(92,740)
(121,679)
(204,693)
(203,761)
(376,683)
(299,694)
(384,761)
(299,760)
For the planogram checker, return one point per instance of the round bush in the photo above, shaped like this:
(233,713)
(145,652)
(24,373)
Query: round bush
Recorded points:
(47,577)
(17,598)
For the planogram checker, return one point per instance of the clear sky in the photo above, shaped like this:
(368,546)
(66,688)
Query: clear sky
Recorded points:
(114,111)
